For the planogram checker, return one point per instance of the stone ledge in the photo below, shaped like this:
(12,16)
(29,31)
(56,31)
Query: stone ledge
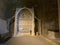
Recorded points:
(53,42)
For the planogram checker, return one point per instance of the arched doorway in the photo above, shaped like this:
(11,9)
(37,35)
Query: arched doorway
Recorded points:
(25,22)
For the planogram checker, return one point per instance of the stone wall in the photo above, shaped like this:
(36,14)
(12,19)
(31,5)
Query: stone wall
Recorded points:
(3,26)
(3,5)
(59,14)
(47,13)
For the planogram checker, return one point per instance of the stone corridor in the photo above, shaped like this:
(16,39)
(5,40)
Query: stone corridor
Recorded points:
(27,40)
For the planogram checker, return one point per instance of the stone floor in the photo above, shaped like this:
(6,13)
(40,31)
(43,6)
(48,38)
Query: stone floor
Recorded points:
(26,40)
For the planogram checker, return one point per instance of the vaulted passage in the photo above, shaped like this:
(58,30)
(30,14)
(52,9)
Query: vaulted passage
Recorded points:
(24,22)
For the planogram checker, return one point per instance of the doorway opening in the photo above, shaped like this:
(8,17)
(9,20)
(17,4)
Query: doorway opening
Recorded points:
(36,27)
(24,22)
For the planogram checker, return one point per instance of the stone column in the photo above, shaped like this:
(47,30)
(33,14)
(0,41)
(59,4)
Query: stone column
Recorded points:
(15,24)
(32,11)
(59,14)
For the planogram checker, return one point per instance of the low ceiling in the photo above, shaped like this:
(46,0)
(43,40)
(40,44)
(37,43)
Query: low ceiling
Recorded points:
(27,3)
(42,8)
(10,5)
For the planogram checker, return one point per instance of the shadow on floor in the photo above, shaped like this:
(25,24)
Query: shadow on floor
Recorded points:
(4,40)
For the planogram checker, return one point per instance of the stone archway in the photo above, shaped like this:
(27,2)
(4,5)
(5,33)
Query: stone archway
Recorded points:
(24,22)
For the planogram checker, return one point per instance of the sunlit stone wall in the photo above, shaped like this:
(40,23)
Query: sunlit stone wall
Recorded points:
(25,21)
